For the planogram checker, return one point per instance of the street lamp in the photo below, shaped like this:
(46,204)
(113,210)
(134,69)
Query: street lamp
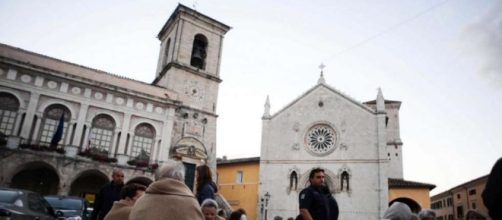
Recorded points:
(267,197)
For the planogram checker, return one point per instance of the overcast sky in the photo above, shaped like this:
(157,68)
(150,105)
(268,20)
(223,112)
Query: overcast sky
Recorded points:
(442,59)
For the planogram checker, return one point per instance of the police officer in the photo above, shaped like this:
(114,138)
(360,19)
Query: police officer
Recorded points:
(314,205)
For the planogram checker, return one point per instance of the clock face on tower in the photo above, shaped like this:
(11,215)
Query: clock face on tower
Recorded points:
(194,90)
(320,139)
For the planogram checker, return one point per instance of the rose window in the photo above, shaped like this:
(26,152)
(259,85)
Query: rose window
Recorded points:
(320,139)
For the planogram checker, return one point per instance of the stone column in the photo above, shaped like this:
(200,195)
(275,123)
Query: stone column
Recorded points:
(153,152)
(18,122)
(113,149)
(123,136)
(167,129)
(37,127)
(69,131)
(85,145)
(30,113)
(129,143)
(82,114)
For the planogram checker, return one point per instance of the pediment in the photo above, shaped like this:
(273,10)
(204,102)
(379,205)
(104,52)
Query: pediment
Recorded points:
(331,91)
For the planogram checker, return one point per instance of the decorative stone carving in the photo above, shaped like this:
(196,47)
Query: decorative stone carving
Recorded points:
(320,139)
(119,101)
(295,147)
(26,78)
(158,110)
(52,84)
(98,95)
(71,151)
(344,146)
(76,90)
(13,142)
(122,159)
(194,128)
(140,105)
(296,127)
(190,147)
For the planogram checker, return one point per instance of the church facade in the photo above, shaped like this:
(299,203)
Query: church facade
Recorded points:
(357,144)
(109,121)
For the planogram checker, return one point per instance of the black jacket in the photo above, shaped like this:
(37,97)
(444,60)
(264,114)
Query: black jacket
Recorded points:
(492,195)
(108,194)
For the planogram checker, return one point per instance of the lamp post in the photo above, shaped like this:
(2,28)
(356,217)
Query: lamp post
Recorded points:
(262,208)
(267,197)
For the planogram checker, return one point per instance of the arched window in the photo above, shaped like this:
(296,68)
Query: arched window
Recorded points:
(199,52)
(344,181)
(142,143)
(8,112)
(166,51)
(50,122)
(293,181)
(103,127)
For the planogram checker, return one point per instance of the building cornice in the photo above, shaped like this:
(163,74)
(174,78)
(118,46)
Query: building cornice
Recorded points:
(191,70)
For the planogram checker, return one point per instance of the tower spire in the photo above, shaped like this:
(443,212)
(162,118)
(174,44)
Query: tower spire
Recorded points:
(321,78)
(266,113)
(380,101)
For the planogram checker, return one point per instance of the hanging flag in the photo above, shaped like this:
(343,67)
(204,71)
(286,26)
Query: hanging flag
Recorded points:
(58,134)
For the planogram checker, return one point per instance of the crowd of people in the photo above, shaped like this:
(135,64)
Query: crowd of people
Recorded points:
(169,198)
(166,198)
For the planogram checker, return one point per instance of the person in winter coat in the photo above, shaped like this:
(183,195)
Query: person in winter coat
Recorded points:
(332,204)
(108,194)
(168,198)
(398,211)
(492,195)
(239,214)
(128,196)
(474,215)
(427,214)
(206,188)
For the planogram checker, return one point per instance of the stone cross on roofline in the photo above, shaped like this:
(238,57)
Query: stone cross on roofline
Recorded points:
(321,78)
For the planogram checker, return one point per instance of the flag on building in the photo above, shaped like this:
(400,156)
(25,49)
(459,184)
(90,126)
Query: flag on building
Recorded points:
(58,134)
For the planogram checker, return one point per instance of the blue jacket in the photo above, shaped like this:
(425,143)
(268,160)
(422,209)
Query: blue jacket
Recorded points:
(206,192)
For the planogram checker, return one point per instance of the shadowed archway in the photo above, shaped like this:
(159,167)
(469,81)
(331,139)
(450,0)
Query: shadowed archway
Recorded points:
(88,182)
(36,176)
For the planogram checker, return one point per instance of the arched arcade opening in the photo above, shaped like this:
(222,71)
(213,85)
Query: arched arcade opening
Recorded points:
(87,184)
(38,177)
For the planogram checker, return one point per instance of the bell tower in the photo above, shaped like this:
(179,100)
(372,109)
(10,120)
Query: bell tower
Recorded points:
(189,58)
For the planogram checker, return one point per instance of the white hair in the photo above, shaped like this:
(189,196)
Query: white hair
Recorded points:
(171,169)
(209,203)
(398,211)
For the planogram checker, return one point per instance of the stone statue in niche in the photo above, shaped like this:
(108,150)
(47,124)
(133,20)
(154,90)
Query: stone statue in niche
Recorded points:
(191,150)
(344,183)
(293,181)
